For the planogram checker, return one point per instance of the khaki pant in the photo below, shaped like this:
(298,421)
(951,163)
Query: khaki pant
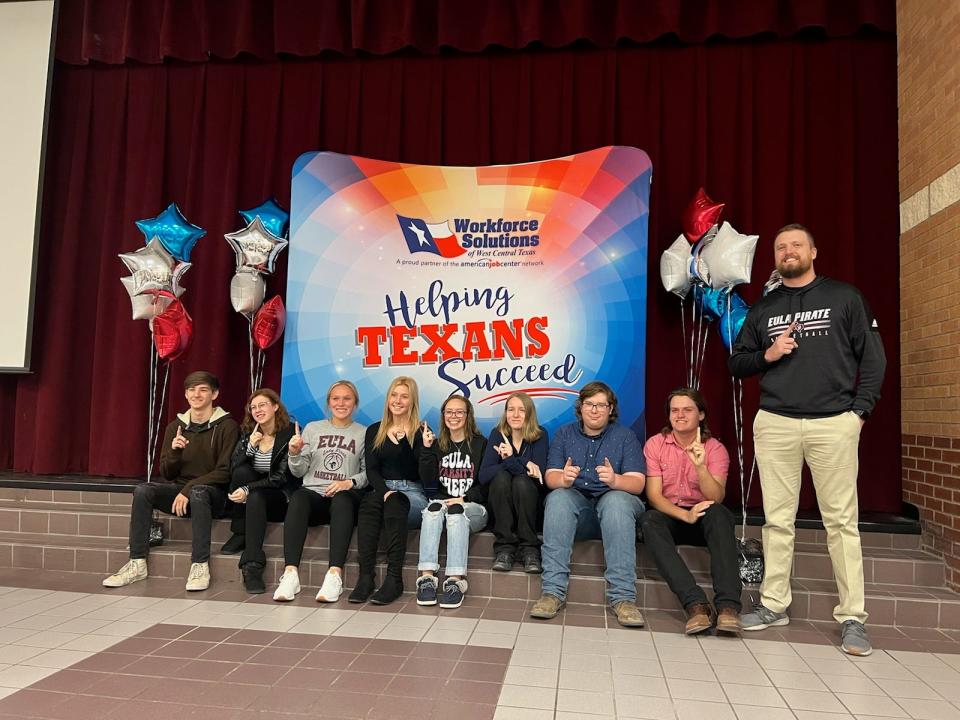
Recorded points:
(829,447)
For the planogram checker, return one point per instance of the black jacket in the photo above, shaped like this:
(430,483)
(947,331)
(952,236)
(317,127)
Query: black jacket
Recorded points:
(838,339)
(279,475)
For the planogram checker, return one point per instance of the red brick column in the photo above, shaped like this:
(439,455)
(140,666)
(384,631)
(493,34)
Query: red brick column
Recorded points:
(928,35)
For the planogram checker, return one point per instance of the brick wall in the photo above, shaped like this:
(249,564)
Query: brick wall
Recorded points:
(928,35)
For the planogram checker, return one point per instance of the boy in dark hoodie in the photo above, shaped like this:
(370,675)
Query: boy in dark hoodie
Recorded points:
(810,339)
(195,466)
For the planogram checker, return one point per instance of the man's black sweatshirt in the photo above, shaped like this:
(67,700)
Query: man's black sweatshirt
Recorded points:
(837,338)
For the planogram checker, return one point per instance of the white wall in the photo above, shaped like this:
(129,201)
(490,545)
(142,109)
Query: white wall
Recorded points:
(26,30)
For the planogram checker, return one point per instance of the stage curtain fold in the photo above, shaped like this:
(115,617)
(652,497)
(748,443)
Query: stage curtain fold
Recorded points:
(781,131)
(152,31)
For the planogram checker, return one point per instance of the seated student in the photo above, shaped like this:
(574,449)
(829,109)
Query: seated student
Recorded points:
(259,478)
(448,469)
(195,470)
(329,458)
(595,471)
(513,467)
(397,500)
(686,482)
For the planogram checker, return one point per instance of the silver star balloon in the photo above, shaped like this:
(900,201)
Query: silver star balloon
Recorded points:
(153,268)
(256,247)
(145,305)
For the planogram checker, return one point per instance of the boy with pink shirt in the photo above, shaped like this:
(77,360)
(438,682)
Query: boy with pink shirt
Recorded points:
(686,482)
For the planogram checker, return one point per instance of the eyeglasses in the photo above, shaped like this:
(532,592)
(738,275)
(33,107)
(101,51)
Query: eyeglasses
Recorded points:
(454,413)
(602,407)
(260,406)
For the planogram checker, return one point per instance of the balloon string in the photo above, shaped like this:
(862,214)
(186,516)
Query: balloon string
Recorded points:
(253,385)
(158,417)
(152,391)
(683,335)
(696,325)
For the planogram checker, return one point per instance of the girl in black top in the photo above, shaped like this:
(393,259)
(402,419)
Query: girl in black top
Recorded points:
(259,477)
(448,468)
(397,500)
(512,470)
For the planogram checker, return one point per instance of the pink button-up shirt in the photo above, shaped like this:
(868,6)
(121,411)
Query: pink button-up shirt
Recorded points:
(666,459)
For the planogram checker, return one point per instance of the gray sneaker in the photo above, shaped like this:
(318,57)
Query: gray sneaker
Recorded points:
(763,617)
(854,639)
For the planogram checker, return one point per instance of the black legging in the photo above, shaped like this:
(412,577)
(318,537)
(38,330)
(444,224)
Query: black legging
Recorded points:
(309,508)
(513,502)
(263,504)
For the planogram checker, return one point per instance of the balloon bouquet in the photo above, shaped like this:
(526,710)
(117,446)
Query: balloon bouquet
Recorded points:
(257,247)
(706,262)
(154,288)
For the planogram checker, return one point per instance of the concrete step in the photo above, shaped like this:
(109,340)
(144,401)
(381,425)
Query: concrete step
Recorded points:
(888,558)
(889,604)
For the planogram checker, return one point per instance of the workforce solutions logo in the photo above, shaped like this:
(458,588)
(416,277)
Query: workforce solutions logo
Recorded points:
(470,235)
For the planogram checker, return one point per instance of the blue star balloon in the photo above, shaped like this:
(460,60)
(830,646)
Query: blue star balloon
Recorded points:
(175,232)
(714,301)
(275,219)
(731,321)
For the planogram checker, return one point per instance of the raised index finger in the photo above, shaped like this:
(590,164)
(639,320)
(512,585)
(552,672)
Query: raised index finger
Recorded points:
(790,329)
(296,428)
(698,433)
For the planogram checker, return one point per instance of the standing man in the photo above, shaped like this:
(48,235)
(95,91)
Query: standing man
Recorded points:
(195,465)
(595,472)
(686,482)
(810,339)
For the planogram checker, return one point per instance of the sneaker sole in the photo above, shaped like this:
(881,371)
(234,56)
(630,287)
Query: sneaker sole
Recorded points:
(427,603)
(325,599)
(857,653)
(763,626)
(107,585)
(198,589)
(286,598)
(451,606)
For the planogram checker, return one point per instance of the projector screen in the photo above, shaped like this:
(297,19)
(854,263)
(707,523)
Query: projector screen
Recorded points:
(26,61)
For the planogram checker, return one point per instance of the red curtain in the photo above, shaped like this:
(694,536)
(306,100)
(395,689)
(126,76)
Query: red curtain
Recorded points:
(797,130)
(150,31)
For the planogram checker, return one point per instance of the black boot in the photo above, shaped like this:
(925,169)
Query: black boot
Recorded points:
(531,561)
(395,511)
(361,593)
(503,562)
(391,589)
(253,578)
(235,544)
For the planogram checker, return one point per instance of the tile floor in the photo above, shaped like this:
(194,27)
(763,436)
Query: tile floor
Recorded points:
(70,650)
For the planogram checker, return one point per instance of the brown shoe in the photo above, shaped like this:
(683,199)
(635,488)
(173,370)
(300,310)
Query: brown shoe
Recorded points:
(547,607)
(729,621)
(628,614)
(698,618)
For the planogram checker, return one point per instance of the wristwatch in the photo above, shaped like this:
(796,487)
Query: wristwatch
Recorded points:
(862,414)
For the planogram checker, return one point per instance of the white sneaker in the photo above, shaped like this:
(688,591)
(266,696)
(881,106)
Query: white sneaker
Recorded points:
(199,577)
(289,586)
(331,588)
(134,570)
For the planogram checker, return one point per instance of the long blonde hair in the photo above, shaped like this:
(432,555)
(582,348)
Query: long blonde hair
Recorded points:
(531,430)
(413,418)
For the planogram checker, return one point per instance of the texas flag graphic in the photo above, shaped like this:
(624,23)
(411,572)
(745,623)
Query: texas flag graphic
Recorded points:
(424,237)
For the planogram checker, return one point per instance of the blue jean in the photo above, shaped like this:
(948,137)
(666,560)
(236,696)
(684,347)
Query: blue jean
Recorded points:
(414,493)
(612,517)
(459,526)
